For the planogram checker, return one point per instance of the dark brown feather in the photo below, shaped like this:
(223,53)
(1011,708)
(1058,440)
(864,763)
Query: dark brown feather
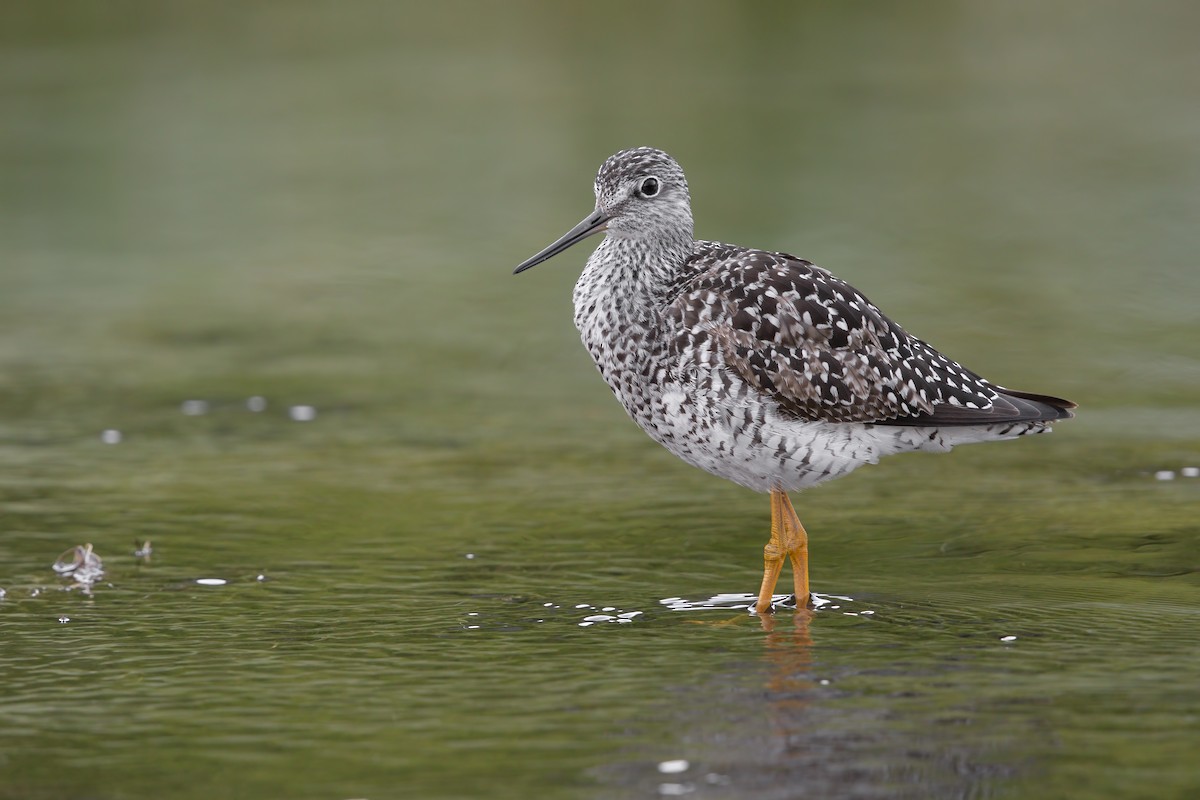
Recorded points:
(822,351)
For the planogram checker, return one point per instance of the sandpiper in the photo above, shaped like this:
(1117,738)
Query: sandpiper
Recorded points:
(758,366)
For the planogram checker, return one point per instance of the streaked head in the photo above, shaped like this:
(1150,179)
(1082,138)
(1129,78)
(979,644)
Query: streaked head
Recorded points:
(640,194)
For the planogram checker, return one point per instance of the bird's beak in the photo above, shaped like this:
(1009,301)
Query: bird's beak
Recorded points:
(593,223)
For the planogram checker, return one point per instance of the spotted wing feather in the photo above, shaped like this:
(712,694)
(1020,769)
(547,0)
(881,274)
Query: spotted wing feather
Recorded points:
(824,352)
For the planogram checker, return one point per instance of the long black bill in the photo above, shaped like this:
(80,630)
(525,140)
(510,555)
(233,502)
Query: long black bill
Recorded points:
(593,223)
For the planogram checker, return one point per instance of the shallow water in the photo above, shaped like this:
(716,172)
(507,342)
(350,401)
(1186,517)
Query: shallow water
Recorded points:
(433,559)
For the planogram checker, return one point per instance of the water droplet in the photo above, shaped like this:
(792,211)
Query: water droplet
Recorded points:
(194,408)
(111,436)
(211,581)
(256,403)
(673,767)
(302,413)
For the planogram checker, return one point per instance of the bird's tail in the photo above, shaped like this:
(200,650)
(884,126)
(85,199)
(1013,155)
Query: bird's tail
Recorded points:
(1039,406)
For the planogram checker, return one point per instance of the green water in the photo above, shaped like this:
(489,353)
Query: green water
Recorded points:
(320,205)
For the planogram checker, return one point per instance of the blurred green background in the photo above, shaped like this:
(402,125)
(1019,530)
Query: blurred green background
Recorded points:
(320,204)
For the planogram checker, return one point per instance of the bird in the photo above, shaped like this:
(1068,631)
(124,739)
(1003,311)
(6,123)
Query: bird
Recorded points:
(758,366)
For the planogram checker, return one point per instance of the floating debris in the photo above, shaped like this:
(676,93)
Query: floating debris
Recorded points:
(1008,638)
(64,620)
(81,563)
(302,413)
(111,436)
(1165,475)
(143,549)
(256,404)
(1190,472)
(211,581)
(194,408)
(673,767)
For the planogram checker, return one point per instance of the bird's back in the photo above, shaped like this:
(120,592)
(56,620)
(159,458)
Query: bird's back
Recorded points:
(817,348)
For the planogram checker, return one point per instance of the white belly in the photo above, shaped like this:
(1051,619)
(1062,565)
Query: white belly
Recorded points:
(755,446)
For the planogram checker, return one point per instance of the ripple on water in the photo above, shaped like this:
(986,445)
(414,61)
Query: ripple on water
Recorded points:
(737,601)
(521,613)
(582,615)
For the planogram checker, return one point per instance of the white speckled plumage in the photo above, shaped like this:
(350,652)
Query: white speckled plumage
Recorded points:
(758,366)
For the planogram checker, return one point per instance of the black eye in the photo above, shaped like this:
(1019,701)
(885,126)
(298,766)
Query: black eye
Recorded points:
(649,187)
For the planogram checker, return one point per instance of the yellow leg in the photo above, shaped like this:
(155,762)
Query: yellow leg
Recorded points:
(797,550)
(773,555)
(788,538)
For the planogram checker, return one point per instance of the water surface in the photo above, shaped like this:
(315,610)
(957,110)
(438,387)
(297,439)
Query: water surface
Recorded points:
(462,572)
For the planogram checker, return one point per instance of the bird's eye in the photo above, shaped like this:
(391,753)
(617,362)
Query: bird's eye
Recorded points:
(649,187)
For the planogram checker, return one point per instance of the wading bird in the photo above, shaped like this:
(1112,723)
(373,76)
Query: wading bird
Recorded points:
(758,366)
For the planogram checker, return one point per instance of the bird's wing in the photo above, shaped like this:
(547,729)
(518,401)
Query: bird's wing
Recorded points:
(822,351)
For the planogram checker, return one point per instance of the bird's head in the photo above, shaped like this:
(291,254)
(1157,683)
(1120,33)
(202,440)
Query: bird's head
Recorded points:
(640,194)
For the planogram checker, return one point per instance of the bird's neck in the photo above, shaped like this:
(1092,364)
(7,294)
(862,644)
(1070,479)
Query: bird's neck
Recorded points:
(620,301)
(641,272)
